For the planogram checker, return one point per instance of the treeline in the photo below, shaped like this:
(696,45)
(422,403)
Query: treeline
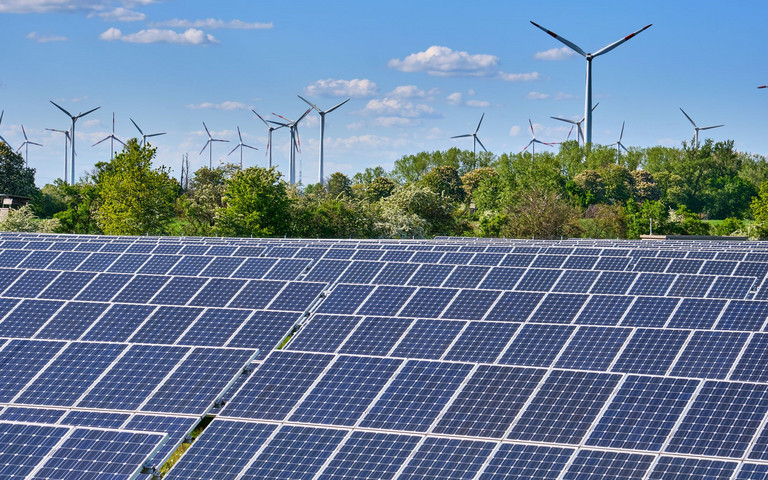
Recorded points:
(592,192)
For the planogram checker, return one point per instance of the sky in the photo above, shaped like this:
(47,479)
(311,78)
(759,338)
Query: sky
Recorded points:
(417,73)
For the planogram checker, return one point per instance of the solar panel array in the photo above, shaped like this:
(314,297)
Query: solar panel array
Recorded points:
(450,358)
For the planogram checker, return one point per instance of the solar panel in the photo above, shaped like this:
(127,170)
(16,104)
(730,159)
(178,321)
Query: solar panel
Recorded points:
(324,333)
(590,464)
(481,342)
(651,351)
(526,461)
(67,285)
(28,317)
(71,321)
(709,354)
(669,468)
(384,453)
(376,336)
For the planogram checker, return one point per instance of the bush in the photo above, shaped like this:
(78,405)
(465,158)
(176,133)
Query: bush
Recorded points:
(729,226)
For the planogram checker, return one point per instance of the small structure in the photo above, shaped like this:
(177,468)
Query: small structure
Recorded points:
(9,202)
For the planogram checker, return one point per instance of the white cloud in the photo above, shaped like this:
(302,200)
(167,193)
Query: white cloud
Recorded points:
(519,77)
(561,53)
(442,61)
(398,107)
(228,105)
(120,14)
(514,131)
(537,96)
(407,91)
(191,36)
(357,88)
(562,96)
(213,23)
(65,6)
(45,38)
(455,98)
(369,141)
(478,103)
(389,122)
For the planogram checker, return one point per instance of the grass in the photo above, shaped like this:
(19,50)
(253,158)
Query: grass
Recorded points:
(176,455)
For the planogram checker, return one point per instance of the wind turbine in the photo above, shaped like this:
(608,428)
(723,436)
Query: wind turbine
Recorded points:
(209,145)
(619,145)
(1,121)
(269,137)
(589,57)
(697,128)
(475,139)
(112,139)
(66,144)
(580,132)
(534,141)
(74,118)
(27,143)
(322,131)
(144,136)
(240,146)
(295,142)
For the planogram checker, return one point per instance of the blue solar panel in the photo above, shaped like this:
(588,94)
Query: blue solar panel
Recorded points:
(38,259)
(651,351)
(256,294)
(428,339)
(82,418)
(564,407)
(502,278)
(31,283)
(428,302)
(429,275)
(254,267)
(376,336)
(104,287)
(464,276)
(297,296)
(20,361)
(11,258)
(118,323)
(28,317)
(593,348)
(612,263)
(177,429)
(217,292)
(697,313)
(559,308)
(277,385)
(324,333)
(8,276)
(603,310)
(23,447)
(386,300)
(287,269)
(6,305)
(345,391)
(189,266)
(159,264)
(717,267)
(581,262)
(676,468)
(651,264)
(179,290)
(537,345)
(222,266)
(731,287)
(214,327)
(744,315)
(71,321)
(589,464)
(32,415)
(751,364)
(481,342)
(616,283)
(345,299)
(517,260)
(263,330)
(415,397)
(384,453)
(128,263)
(447,459)
(97,262)
(361,272)
(327,270)
(539,280)
(523,462)
(752,471)
(141,289)
(656,284)
(709,354)
(650,312)
(491,399)
(67,285)
(685,265)
(166,324)
(514,306)
(643,413)
(576,281)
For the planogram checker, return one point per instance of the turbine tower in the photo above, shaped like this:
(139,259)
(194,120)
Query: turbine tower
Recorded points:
(697,128)
(295,142)
(475,139)
(1,121)
(74,118)
(534,141)
(322,132)
(589,57)
(240,146)
(112,139)
(209,145)
(578,125)
(619,145)
(269,137)
(144,136)
(26,144)
(66,145)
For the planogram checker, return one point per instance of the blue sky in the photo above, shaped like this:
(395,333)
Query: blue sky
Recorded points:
(417,72)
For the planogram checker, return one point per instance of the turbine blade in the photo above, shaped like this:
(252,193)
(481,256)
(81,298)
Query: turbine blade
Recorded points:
(278,123)
(689,118)
(3,139)
(481,143)
(309,103)
(239,134)
(337,106)
(204,146)
(156,134)
(569,133)
(24,132)
(89,111)
(137,127)
(3,113)
(763,86)
(564,120)
(713,126)
(462,136)
(562,40)
(623,147)
(206,130)
(105,138)
(119,141)
(593,108)
(529,123)
(35,143)
(60,108)
(621,135)
(610,47)
(529,144)
(248,146)
(302,117)
(260,118)
(478,123)
(230,153)
(289,121)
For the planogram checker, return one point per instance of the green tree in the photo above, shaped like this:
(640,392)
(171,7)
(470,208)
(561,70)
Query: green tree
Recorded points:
(24,220)
(256,204)
(83,201)
(640,215)
(445,181)
(416,211)
(541,214)
(378,188)
(339,184)
(368,175)
(51,200)
(199,204)
(15,178)
(591,182)
(135,198)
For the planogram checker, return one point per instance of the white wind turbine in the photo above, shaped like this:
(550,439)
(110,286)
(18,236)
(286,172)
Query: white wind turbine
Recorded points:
(475,138)
(209,145)
(322,131)
(269,137)
(295,142)
(74,118)
(27,143)
(240,146)
(66,144)
(112,139)
(144,136)
(578,125)
(619,145)
(697,128)
(589,57)
(534,141)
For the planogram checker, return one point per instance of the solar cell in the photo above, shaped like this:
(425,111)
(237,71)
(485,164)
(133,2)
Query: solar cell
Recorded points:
(24,446)
(650,312)
(558,308)
(677,468)
(166,324)
(447,459)
(67,285)
(696,313)
(384,453)
(538,280)
(32,415)
(481,342)
(297,296)
(709,354)
(651,351)
(71,321)
(428,302)
(82,418)
(324,333)
(159,264)
(8,276)
(655,284)
(254,267)
(537,345)
(386,300)
(375,336)
(263,330)
(593,348)
(514,306)
(31,283)
(361,272)
(327,270)
(345,299)
(287,269)
(20,361)
(141,289)
(522,462)
(128,263)
(177,429)
(591,464)
(427,339)
(616,283)
(256,294)
(27,318)
(38,259)
(429,275)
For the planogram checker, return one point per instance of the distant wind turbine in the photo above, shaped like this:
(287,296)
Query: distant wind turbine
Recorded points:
(534,141)
(66,144)
(322,131)
(209,145)
(27,143)
(697,128)
(74,118)
(295,142)
(1,121)
(269,137)
(578,125)
(619,145)
(475,138)
(589,57)
(112,139)
(144,136)
(240,146)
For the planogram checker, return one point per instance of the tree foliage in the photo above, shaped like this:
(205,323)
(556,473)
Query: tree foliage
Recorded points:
(15,178)
(256,204)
